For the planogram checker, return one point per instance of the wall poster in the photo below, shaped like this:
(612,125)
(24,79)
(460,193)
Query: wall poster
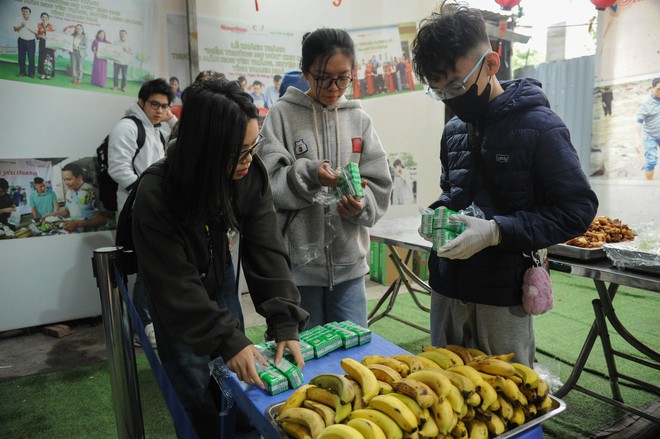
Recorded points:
(82,44)
(46,197)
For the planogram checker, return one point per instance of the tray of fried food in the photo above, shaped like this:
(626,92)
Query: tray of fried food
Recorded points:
(588,246)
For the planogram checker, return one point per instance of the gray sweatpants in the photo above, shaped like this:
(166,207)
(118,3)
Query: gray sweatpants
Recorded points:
(492,329)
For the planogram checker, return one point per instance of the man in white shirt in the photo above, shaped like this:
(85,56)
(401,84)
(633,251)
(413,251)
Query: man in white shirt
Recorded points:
(126,163)
(27,31)
(121,64)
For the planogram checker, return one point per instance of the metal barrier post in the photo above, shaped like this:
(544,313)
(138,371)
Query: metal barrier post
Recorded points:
(119,345)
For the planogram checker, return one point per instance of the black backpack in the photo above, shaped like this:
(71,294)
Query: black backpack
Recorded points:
(107,186)
(124,237)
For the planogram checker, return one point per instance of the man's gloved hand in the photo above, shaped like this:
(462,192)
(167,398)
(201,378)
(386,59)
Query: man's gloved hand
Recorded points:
(478,235)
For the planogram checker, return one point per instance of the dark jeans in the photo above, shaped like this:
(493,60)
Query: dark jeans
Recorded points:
(189,373)
(26,47)
(115,77)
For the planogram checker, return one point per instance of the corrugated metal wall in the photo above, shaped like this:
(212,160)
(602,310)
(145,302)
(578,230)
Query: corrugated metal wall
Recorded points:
(569,85)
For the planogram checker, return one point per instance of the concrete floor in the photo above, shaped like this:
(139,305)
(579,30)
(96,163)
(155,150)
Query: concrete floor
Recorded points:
(29,351)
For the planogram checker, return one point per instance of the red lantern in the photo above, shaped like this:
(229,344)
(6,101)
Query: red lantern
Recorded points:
(506,5)
(601,5)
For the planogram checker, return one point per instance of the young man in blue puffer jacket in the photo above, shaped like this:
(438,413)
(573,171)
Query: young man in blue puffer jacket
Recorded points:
(510,155)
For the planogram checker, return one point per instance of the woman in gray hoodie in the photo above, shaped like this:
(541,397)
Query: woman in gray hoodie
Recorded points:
(309,136)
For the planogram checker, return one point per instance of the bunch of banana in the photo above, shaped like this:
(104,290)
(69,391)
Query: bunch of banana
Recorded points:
(449,392)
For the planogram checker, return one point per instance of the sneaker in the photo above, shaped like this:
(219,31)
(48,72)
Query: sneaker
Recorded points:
(149,329)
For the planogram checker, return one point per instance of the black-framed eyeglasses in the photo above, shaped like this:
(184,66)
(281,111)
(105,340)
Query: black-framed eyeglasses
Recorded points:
(156,105)
(456,88)
(253,149)
(326,81)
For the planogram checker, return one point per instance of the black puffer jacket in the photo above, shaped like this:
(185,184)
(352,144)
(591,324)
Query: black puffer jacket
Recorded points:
(518,165)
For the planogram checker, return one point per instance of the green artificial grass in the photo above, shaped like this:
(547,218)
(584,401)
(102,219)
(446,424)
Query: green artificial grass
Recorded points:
(76,403)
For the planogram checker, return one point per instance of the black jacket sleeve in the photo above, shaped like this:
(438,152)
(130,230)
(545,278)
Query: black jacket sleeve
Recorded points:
(265,262)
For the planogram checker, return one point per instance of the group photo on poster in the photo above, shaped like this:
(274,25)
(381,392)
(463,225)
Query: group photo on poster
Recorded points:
(92,48)
(626,129)
(383,61)
(46,197)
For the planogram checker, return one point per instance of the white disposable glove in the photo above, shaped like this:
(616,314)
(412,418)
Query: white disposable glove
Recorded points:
(478,235)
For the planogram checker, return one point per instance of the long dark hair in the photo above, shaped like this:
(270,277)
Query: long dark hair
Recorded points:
(212,128)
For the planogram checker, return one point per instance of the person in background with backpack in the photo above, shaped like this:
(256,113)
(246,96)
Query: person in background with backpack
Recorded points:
(182,248)
(127,160)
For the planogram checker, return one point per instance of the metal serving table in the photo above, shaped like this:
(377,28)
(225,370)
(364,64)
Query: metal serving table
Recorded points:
(607,279)
(402,233)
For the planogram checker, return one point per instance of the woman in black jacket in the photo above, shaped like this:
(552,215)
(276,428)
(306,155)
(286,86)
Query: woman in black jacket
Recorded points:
(209,184)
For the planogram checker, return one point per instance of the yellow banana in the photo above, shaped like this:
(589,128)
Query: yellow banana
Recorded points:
(367,428)
(514,394)
(469,372)
(495,406)
(340,431)
(361,373)
(412,361)
(456,401)
(384,388)
(384,373)
(343,412)
(396,410)
(488,395)
(324,396)
(506,409)
(444,416)
(470,413)
(357,403)
(477,429)
(503,357)
(530,410)
(339,384)
(418,390)
(460,430)
(411,435)
(427,363)
(531,394)
(529,376)
(387,424)
(461,351)
(473,400)
(306,417)
(429,427)
(495,366)
(422,418)
(476,352)
(433,378)
(455,358)
(464,384)
(395,364)
(542,390)
(545,406)
(438,358)
(326,412)
(518,417)
(296,431)
(296,398)
(495,425)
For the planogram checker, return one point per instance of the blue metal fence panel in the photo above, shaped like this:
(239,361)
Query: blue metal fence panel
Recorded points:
(569,85)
